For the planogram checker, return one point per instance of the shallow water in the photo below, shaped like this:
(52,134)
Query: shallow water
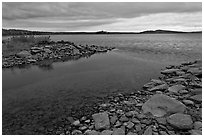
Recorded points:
(55,90)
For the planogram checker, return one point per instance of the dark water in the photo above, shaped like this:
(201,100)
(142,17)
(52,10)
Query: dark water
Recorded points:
(55,90)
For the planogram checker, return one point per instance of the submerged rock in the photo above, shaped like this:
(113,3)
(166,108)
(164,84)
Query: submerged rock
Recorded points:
(159,105)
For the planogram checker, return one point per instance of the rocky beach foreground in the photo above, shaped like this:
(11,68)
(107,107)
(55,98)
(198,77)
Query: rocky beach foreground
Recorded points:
(170,105)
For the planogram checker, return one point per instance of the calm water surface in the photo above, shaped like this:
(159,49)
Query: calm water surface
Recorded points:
(64,85)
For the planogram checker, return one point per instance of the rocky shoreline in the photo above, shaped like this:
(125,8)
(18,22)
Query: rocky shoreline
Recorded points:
(45,53)
(170,105)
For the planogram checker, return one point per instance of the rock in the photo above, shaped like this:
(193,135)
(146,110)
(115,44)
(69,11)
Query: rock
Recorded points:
(138,127)
(70,119)
(106,132)
(91,132)
(161,120)
(118,131)
(83,128)
(23,54)
(148,131)
(169,71)
(129,125)
(188,102)
(195,132)
(183,91)
(123,118)
(157,81)
(159,87)
(197,98)
(87,121)
(139,104)
(130,113)
(196,91)
(113,119)
(176,88)
(76,132)
(101,120)
(162,133)
(76,123)
(149,85)
(117,124)
(159,105)
(197,125)
(83,118)
(179,80)
(180,121)
(134,120)
(131,133)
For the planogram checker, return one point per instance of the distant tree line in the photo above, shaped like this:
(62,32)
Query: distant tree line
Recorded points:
(13,32)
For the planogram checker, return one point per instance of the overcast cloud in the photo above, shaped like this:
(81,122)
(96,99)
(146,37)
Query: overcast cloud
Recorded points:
(102,16)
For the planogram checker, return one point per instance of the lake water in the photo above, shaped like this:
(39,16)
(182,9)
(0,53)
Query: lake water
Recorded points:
(54,91)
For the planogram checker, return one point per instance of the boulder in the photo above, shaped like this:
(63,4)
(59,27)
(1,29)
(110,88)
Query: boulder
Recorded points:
(160,105)
(23,54)
(176,88)
(180,121)
(101,120)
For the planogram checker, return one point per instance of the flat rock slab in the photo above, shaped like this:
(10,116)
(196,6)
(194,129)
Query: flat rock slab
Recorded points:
(180,121)
(101,120)
(176,88)
(159,105)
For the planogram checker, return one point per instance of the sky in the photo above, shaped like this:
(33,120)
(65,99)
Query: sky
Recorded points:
(107,16)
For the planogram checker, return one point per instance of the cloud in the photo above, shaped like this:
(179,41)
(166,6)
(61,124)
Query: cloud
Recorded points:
(89,15)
